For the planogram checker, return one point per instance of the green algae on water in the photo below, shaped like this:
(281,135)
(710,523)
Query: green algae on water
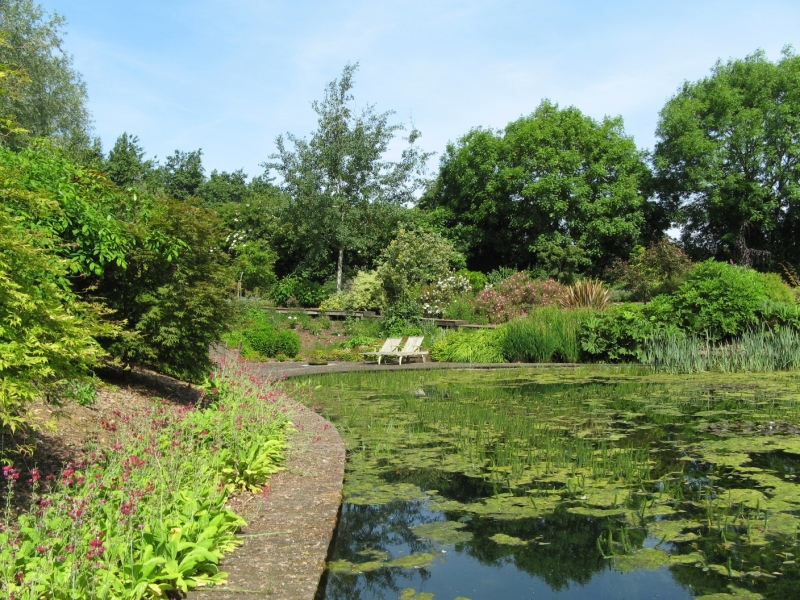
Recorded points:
(705,466)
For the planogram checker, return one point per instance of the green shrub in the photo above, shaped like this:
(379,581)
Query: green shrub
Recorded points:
(174,293)
(462,309)
(500,274)
(336,301)
(283,291)
(616,334)
(477,280)
(309,294)
(413,259)
(660,269)
(366,292)
(293,291)
(479,346)
(776,288)
(545,335)
(402,318)
(778,315)
(717,299)
(286,342)
(270,343)
(254,265)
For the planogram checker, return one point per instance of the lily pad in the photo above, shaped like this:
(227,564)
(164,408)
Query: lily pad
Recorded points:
(507,540)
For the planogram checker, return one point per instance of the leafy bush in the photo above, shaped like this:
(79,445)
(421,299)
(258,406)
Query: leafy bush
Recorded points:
(477,280)
(717,299)
(255,264)
(47,334)
(660,269)
(282,291)
(463,309)
(515,295)
(366,292)
(336,301)
(292,291)
(495,276)
(413,259)
(615,335)
(436,297)
(269,342)
(776,288)
(174,292)
(545,335)
(402,318)
(480,346)
(778,315)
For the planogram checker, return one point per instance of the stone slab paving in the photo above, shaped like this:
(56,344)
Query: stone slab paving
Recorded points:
(288,532)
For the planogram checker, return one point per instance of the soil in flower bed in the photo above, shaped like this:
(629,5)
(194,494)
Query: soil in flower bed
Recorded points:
(69,433)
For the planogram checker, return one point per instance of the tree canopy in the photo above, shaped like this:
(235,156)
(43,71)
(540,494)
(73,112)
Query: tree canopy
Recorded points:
(555,191)
(339,182)
(52,102)
(727,155)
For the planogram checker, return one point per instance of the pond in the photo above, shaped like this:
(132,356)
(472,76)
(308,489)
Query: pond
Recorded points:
(596,482)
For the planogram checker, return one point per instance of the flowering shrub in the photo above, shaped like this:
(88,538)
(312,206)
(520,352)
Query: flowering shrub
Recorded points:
(148,515)
(435,298)
(514,296)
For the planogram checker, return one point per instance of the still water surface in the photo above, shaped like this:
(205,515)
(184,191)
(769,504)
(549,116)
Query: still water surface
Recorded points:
(597,483)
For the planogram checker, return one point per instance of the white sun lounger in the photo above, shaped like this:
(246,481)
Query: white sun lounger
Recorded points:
(410,349)
(390,345)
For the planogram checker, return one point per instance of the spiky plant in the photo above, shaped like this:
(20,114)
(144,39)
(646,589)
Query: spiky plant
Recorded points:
(587,293)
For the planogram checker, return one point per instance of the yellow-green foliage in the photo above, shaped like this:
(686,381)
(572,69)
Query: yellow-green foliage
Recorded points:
(482,346)
(776,288)
(46,332)
(367,292)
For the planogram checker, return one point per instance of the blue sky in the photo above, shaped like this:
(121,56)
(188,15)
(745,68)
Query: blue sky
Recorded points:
(228,77)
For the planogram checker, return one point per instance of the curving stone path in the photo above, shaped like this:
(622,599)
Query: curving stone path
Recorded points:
(288,531)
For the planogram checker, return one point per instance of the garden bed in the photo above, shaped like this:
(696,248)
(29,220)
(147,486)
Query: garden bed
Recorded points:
(101,501)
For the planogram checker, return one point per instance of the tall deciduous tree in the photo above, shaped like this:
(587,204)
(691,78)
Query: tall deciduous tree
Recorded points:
(727,154)
(555,191)
(52,103)
(339,181)
(126,165)
(183,174)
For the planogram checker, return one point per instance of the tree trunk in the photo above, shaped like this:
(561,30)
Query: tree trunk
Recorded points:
(339,269)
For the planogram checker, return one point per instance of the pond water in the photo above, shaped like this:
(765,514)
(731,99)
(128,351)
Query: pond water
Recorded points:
(601,483)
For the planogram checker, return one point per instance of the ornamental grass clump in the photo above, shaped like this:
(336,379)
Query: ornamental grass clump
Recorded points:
(148,515)
(587,293)
(516,295)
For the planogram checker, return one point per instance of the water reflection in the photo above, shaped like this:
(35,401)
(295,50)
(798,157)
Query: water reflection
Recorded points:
(592,486)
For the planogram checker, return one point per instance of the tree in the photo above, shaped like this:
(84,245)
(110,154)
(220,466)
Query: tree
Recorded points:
(52,103)
(126,165)
(727,155)
(183,174)
(173,290)
(555,191)
(222,188)
(338,181)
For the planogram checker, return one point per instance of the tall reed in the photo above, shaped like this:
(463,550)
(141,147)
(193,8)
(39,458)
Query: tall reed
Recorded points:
(756,350)
(545,335)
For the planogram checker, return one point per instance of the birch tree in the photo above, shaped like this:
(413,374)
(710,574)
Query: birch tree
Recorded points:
(339,180)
